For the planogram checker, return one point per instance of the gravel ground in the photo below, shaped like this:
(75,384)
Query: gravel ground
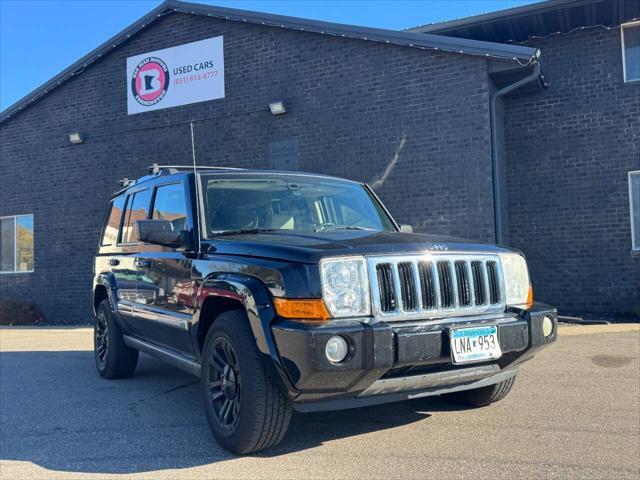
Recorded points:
(573,413)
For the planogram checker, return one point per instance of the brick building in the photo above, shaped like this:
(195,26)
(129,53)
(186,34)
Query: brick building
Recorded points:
(461,132)
(572,150)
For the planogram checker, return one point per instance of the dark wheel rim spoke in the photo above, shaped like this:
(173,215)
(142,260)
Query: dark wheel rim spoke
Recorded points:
(216,395)
(223,383)
(217,361)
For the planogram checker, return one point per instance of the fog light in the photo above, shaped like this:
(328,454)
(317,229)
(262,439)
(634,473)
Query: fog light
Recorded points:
(336,349)
(547,326)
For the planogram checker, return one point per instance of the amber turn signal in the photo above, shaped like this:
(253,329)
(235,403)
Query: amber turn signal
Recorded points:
(307,309)
(530,296)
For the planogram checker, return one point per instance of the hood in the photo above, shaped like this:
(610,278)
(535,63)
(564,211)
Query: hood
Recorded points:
(310,247)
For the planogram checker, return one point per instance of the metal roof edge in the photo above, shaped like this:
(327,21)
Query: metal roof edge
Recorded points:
(518,53)
(398,37)
(166,7)
(524,10)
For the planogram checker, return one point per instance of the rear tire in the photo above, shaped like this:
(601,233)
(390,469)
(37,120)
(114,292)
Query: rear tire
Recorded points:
(113,358)
(245,409)
(481,397)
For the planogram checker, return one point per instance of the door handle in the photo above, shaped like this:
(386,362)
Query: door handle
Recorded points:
(114,262)
(143,263)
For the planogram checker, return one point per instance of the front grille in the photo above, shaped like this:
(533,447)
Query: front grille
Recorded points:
(436,285)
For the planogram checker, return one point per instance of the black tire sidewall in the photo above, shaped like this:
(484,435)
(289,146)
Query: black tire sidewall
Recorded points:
(104,309)
(251,378)
(120,360)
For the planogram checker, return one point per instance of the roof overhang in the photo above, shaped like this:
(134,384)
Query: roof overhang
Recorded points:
(537,20)
(512,53)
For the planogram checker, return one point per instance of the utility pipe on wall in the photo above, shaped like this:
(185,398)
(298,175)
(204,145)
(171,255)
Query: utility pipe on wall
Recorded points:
(497,175)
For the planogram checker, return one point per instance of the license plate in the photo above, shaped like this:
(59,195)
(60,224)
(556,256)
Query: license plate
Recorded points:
(475,344)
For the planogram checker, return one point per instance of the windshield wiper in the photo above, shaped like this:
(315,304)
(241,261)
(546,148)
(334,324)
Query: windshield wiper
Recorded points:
(244,231)
(327,227)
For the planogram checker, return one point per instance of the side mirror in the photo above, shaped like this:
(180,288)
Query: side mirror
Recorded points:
(406,228)
(160,232)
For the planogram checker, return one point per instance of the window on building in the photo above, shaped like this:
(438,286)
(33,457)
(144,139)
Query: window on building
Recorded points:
(170,204)
(137,208)
(16,244)
(114,214)
(631,51)
(634,208)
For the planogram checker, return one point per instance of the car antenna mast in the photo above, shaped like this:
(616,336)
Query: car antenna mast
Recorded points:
(197,184)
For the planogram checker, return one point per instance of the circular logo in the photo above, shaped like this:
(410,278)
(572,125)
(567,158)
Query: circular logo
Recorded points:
(150,81)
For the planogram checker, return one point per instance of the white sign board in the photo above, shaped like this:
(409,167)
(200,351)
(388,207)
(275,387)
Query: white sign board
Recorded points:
(174,76)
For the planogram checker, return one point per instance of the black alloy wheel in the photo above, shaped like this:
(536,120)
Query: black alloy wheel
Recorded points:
(224,383)
(101,339)
(114,359)
(245,408)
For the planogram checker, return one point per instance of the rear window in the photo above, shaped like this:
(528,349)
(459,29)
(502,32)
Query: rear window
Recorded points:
(137,209)
(114,213)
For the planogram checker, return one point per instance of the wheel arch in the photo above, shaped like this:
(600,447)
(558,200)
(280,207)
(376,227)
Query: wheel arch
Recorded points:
(221,293)
(104,288)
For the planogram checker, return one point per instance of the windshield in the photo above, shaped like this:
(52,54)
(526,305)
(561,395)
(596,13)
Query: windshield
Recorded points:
(253,203)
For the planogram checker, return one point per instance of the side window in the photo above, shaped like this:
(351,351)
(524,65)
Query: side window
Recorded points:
(631,51)
(634,207)
(169,204)
(16,244)
(110,232)
(137,209)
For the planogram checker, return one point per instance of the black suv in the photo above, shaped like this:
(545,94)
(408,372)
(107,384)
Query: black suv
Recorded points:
(285,290)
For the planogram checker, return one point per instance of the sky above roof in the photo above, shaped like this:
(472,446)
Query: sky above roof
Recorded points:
(38,39)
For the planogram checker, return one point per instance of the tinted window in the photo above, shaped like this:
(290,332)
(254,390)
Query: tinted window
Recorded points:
(170,204)
(113,221)
(634,193)
(7,244)
(631,52)
(16,244)
(137,208)
(24,241)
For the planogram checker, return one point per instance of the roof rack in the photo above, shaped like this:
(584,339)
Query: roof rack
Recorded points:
(155,168)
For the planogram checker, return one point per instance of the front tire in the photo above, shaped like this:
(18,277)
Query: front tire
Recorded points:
(113,358)
(245,409)
(481,397)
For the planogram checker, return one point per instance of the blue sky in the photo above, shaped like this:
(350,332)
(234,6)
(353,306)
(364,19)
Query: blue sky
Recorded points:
(40,38)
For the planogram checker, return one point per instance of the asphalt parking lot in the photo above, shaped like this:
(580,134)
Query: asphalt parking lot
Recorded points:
(574,413)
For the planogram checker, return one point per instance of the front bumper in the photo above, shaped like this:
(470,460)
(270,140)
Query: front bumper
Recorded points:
(390,361)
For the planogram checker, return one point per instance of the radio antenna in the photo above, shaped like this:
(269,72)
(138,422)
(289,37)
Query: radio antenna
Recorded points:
(197,183)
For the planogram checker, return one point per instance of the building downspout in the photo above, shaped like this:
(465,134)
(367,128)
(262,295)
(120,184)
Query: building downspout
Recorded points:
(497,179)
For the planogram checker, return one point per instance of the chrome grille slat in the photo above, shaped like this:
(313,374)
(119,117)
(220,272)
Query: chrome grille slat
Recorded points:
(472,297)
(406,287)
(396,286)
(416,280)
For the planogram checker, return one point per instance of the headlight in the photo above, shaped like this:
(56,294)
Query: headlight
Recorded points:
(516,279)
(345,286)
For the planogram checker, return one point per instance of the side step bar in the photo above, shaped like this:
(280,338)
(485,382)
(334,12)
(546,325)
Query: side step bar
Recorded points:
(166,355)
